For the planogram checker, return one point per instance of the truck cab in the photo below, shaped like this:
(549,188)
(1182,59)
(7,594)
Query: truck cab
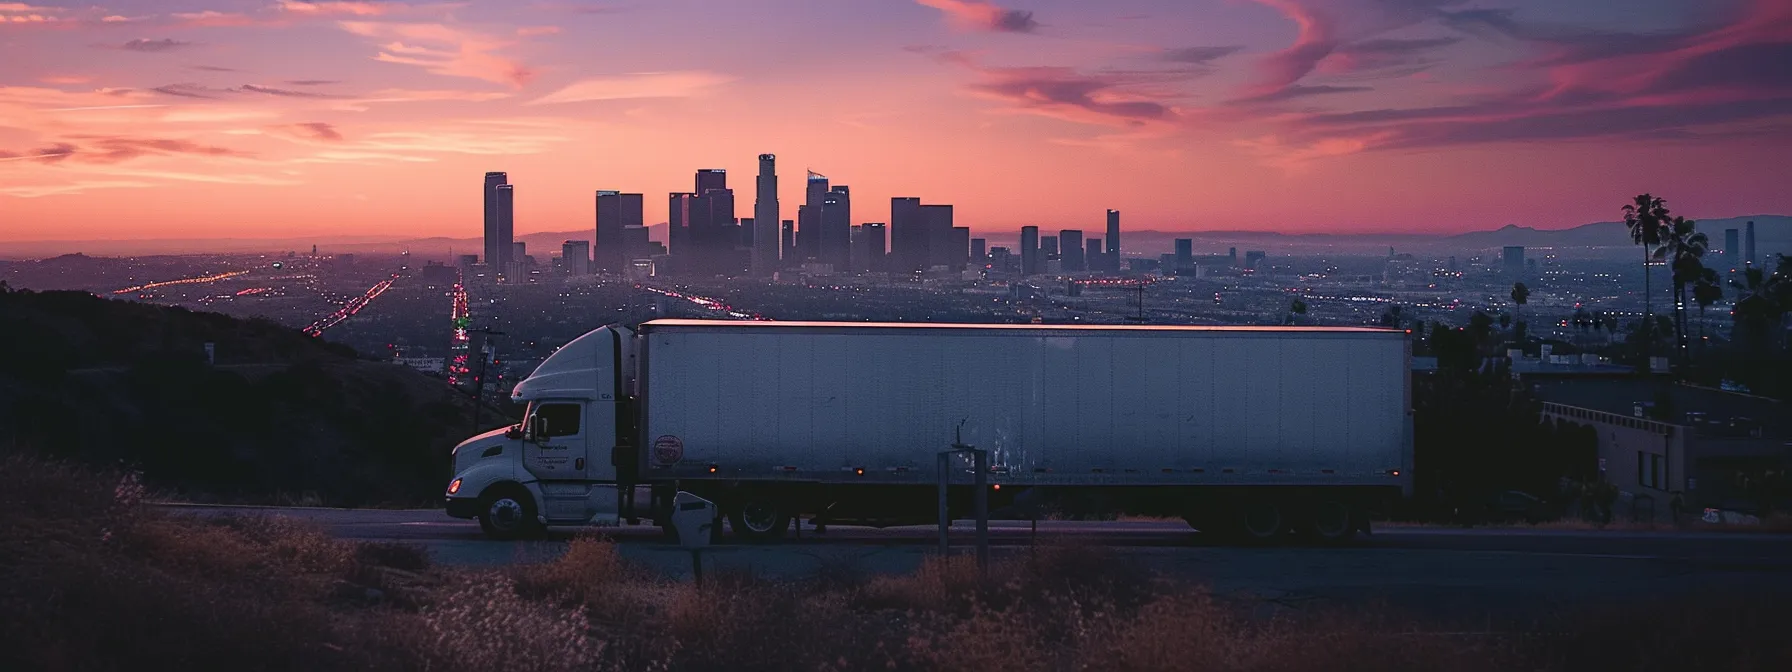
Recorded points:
(571,460)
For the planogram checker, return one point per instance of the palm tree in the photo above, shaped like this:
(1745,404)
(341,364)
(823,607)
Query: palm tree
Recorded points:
(1683,247)
(1708,289)
(1520,296)
(1297,307)
(1645,217)
(1762,303)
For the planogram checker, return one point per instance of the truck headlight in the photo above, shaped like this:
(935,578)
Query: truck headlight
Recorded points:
(454,487)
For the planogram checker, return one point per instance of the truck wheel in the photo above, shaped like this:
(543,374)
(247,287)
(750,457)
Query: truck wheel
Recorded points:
(1259,521)
(1330,521)
(760,518)
(508,513)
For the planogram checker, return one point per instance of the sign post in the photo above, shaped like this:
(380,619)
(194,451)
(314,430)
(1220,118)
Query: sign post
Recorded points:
(979,497)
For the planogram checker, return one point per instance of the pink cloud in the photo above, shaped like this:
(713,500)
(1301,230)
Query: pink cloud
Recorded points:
(1104,99)
(981,15)
(444,50)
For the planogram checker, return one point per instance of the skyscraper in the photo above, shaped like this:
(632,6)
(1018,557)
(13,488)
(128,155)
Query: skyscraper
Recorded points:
(939,235)
(711,178)
(504,196)
(765,218)
(617,214)
(961,247)
(678,224)
(1048,246)
(787,236)
(1732,249)
(496,246)
(876,246)
(1185,255)
(1070,251)
(979,252)
(1113,241)
(808,216)
(1748,245)
(712,234)
(575,257)
(1029,250)
(908,235)
(1094,254)
(835,246)
(1514,262)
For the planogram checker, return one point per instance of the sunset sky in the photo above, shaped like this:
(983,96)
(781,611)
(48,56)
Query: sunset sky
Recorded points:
(277,118)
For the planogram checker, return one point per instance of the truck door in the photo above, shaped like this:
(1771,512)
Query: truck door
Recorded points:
(556,448)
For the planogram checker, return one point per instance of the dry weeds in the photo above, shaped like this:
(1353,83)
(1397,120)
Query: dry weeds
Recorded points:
(94,580)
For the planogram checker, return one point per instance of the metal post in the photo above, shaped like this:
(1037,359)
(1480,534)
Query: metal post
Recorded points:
(981,499)
(697,567)
(945,477)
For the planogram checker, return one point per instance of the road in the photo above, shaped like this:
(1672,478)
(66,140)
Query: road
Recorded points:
(1443,571)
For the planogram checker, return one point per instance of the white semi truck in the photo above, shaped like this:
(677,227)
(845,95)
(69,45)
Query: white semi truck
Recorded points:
(1252,432)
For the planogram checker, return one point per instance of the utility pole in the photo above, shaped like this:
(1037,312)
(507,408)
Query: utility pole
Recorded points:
(485,357)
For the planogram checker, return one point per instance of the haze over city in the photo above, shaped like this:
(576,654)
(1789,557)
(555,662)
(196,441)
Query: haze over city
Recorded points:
(275,119)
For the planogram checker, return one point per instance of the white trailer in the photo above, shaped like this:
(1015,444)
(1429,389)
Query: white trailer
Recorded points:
(1249,430)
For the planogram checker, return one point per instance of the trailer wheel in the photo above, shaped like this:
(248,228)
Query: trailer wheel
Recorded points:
(760,518)
(1259,521)
(507,513)
(1331,521)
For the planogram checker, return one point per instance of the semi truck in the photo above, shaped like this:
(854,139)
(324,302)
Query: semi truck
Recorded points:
(1254,433)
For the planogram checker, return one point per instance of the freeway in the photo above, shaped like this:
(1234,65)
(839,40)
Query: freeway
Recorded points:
(1441,570)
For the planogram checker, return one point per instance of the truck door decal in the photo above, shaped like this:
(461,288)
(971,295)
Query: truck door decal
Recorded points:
(668,450)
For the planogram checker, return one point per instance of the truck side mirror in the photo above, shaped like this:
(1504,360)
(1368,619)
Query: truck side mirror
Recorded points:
(538,428)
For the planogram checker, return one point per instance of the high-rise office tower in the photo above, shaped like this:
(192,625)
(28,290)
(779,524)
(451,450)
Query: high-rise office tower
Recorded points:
(575,257)
(496,247)
(765,218)
(979,252)
(835,246)
(1732,249)
(1093,253)
(617,215)
(709,179)
(1113,241)
(808,217)
(1029,250)
(961,247)
(1748,245)
(787,236)
(908,235)
(679,206)
(1048,246)
(1070,251)
(1232,253)
(1513,258)
(722,234)
(939,235)
(505,197)
(746,234)
(876,246)
(1185,255)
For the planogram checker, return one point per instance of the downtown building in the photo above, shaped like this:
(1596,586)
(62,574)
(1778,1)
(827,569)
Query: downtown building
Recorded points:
(621,231)
(500,220)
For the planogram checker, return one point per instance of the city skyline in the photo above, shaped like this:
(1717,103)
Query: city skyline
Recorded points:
(272,118)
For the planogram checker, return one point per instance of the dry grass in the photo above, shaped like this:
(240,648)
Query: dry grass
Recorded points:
(1775,523)
(94,580)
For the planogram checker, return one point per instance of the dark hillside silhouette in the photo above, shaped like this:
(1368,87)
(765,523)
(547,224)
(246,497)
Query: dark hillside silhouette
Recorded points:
(278,415)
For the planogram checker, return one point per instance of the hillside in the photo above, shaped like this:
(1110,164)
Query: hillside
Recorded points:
(279,416)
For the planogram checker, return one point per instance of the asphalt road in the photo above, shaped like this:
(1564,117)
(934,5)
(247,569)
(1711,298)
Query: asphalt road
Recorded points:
(1481,572)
